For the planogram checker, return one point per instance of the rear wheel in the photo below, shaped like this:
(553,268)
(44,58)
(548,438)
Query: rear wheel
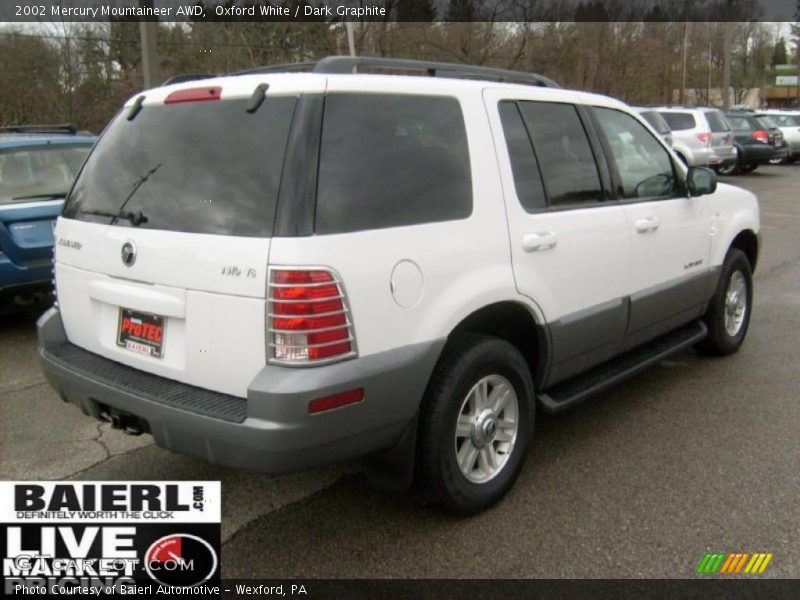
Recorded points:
(475,425)
(731,169)
(748,168)
(728,315)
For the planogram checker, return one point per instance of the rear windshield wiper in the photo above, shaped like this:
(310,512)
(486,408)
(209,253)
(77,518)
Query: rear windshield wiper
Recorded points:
(136,217)
(37,196)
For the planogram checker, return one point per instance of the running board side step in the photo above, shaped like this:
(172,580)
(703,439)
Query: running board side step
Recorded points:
(571,392)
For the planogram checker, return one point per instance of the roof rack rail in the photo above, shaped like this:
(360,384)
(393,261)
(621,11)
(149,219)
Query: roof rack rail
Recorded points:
(350,64)
(63,128)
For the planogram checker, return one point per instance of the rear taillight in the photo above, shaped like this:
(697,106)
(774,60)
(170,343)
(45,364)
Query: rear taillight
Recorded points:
(761,136)
(308,320)
(704,138)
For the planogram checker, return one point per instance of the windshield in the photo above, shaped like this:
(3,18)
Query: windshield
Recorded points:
(198,167)
(40,172)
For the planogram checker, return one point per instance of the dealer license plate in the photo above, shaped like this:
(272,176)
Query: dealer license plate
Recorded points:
(141,332)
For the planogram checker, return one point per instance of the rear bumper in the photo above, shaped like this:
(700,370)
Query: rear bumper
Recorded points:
(269,431)
(16,279)
(757,154)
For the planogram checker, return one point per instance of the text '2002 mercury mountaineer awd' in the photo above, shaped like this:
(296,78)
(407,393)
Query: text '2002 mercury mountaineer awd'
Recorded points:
(274,270)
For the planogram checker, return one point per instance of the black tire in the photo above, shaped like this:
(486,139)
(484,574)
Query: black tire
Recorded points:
(732,169)
(438,477)
(748,168)
(720,341)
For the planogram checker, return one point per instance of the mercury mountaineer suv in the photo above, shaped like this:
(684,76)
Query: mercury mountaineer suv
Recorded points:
(276,270)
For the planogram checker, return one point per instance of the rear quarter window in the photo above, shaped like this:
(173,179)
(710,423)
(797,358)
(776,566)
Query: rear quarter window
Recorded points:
(717,122)
(679,121)
(388,160)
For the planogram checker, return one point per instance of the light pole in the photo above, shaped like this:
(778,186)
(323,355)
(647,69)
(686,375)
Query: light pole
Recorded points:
(148,35)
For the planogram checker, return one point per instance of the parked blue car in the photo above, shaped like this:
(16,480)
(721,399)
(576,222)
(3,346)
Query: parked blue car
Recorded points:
(37,167)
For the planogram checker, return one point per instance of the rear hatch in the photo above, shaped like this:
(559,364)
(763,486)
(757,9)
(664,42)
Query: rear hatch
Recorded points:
(721,133)
(163,245)
(33,182)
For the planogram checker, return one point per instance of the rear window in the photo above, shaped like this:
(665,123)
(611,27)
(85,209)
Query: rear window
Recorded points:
(679,121)
(717,122)
(740,123)
(198,167)
(656,121)
(39,173)
(391,160)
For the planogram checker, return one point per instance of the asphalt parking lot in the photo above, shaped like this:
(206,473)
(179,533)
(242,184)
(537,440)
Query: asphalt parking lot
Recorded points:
(695,455)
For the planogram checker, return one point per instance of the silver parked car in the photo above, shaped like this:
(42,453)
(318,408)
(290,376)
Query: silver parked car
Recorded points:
(700,136)
(788,121)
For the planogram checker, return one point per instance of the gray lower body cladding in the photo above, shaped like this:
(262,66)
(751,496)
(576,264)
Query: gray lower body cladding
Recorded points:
(269,431)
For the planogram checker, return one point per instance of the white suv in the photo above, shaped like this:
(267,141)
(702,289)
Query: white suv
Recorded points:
(275,270)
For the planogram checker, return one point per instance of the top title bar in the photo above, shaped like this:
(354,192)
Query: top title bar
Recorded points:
(398,10)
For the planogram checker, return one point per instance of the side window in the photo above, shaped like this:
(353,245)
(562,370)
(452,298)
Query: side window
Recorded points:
(391,160)
(527,179)
(644,165)
(565,156)
(679,121)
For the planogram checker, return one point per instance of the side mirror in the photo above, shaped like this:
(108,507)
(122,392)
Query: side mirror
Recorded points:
(701,180)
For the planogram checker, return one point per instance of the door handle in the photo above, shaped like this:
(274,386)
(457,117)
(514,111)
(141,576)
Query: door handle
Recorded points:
(536,242)
(646,225)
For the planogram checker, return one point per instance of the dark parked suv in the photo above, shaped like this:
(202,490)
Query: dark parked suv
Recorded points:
(757,139)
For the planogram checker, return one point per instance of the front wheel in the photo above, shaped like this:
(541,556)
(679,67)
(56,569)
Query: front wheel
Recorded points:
(728,315)
(476,424)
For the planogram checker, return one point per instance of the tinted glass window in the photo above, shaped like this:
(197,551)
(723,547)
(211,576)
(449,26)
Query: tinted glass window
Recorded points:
(785,120)
(766,122)
(717,122)
(656,121)
(740,123)
(679,121)
(39,173)
(643,164)
(391,160)
(565,156)
(527,179)
(201,167)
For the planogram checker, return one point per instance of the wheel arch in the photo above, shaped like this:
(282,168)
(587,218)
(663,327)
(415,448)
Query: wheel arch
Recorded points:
(747,241)
(516,323)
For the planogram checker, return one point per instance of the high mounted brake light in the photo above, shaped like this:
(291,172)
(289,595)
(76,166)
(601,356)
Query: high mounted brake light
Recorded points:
(198,94)
(308,318)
